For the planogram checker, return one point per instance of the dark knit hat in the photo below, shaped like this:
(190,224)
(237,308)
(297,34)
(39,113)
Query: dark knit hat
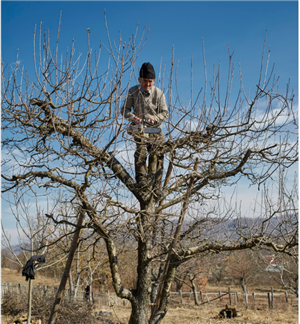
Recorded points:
(147,71)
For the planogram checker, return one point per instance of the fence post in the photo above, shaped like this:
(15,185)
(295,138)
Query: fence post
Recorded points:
(269,300)
(286,297)
(20,288)
(253,296)
(272,298)
(229,294)
(220,294)
(235,299)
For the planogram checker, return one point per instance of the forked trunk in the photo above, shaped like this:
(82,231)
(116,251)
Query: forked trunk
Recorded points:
(162,309)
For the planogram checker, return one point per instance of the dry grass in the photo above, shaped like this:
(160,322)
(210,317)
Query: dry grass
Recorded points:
(257,314)
(205,314)
(13,276)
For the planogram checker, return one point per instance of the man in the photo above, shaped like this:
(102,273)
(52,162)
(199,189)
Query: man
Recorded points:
(146,102)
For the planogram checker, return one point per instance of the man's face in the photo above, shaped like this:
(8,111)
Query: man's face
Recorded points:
(146,84)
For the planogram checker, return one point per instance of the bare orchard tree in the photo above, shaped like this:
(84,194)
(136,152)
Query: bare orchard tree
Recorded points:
(33,232)
(283,267)
(63,131)
(285,272)
(243,268)
(192,274)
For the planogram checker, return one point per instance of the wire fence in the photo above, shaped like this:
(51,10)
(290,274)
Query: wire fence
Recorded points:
(103,299)
(261,300)
(264,300)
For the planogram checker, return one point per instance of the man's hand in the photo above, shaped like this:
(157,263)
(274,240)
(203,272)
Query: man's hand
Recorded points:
(150,121)
(136,120)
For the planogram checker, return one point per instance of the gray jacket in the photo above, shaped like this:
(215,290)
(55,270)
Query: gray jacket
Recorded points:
(154,105)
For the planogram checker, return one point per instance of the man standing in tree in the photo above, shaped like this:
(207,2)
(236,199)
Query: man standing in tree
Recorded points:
(148,104)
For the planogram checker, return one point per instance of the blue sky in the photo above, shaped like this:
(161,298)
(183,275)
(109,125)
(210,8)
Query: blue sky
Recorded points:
(241,24)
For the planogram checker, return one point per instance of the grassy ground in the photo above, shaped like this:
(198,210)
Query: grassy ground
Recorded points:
(206,314)
(258,313)
(13,276)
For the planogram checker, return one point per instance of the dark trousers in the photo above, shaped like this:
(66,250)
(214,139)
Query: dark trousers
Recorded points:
(143,148)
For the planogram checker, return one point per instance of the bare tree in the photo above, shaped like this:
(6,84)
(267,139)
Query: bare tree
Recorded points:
(285,272)
(33,233)
(63,132)
(283,267)
(242,267)
(193,275)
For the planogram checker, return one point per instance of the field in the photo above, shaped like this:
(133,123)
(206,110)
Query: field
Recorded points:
(259,313)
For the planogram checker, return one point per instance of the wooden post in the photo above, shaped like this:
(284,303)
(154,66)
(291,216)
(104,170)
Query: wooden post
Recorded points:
(229,294)
(269,300)
(272,298)
(235,299)
(220,294)
(29,300)
(286,297)
(20,288)
(253,296)
(237,296)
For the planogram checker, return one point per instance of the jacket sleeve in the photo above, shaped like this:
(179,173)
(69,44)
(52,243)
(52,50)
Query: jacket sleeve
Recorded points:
(128,104)
(163,112)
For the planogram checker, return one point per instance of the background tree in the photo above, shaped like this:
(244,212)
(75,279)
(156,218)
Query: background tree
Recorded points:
(34,232)
(284,271)
(193,275)
(242,267)
(62,131)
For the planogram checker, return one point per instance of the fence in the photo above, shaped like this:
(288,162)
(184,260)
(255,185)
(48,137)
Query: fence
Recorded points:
(104,299)
(266,299)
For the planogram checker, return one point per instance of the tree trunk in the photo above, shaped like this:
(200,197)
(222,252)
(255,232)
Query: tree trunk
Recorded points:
(162,308)
(140,304)
(195,292)
(244,286)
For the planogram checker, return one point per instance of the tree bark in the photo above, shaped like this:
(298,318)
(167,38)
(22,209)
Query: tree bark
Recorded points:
(140,304)
(195,293)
